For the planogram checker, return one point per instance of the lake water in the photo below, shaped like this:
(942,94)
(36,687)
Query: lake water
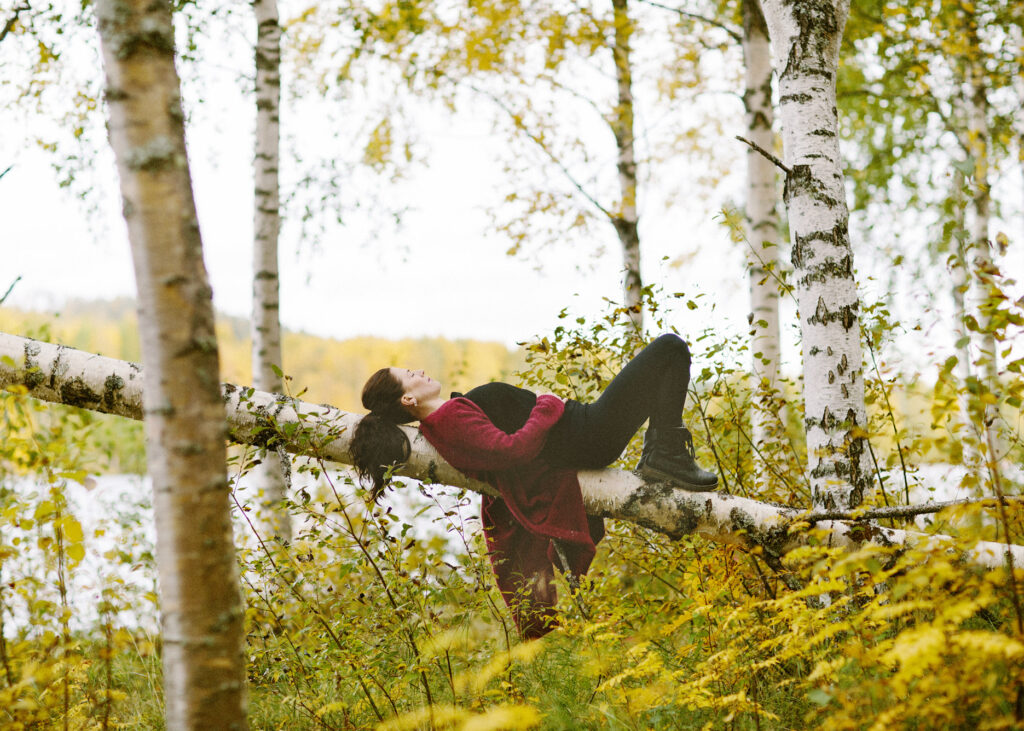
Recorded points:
(115,512)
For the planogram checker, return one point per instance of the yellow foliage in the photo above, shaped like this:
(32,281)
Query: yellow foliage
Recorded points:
(505,717)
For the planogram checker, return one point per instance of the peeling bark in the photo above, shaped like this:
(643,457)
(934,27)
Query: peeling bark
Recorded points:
(201,605)
(269,476)
(761,219)
(260,418)
(805,38)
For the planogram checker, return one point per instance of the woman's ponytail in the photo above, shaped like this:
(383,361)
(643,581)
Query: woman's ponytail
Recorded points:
(379,444)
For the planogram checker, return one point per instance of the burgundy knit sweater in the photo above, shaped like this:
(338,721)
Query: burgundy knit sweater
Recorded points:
(538,503)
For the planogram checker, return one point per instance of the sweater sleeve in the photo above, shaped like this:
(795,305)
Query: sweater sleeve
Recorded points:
(465,437)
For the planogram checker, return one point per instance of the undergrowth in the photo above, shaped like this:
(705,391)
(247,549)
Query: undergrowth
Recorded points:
(379,617)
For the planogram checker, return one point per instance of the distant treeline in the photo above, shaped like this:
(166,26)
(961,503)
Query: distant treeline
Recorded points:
(327,370)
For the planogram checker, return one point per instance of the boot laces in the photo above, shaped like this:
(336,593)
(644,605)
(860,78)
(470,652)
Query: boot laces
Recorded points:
(687,441)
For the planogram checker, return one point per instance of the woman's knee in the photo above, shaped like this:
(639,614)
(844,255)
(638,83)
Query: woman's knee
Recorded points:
(671,342)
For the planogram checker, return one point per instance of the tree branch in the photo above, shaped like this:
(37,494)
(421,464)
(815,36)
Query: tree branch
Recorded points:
(900,511)
(63,375)
(735,35)
(10,289)
(521,126)
(778,163)
(9,25)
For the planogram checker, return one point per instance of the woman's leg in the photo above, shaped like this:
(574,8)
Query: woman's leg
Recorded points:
(651,386)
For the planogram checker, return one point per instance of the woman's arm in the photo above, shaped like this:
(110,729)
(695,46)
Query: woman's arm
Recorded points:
(465,437)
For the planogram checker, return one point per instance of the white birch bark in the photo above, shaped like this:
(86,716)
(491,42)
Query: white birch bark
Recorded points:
(269,477)
(982,265)
(805,39)
(63,375)
(761,220)
(201,608)
(960,279)
(626,220)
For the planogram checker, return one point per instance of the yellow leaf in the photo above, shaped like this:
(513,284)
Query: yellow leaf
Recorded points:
(72,529)
(504,717)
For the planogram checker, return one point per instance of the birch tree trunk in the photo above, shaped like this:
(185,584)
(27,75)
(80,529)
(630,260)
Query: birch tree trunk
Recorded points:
(201,610)
(625,219)
(63,375)
(982,266)
(268,477)
(761,219)
(805,38)
(961,279)
(960,271)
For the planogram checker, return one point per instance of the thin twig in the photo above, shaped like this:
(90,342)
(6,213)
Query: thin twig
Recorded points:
(8,292)
(9,26)
(776,161)
(702,18)
(520,125)
(892,419)
(899,511)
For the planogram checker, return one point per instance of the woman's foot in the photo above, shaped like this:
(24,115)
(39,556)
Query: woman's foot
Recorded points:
(669,457)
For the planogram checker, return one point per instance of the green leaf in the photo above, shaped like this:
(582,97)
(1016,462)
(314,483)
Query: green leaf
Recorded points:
(965,166)
(819,697)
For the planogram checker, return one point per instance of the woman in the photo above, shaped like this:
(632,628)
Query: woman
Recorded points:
(529,448)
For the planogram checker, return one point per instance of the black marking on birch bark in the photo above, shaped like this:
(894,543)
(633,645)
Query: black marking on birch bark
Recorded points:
(432,476)
(829,269)
(157,154)
(822,132)
(58,368)
(174,110)
(814,350)
(267,62)
(114,94)
(844,461)
(846,315)
(818,23)
(801,181)
(76,392)
(795,98)
(759,120)
(34,377)
(771,540)
(855,449)
(112,387)
(263,432)
(151,31)
(670,501)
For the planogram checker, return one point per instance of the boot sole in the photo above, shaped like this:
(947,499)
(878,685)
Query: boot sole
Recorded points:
(655,475)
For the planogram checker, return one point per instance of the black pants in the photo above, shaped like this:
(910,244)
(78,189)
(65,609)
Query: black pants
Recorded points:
(651,386)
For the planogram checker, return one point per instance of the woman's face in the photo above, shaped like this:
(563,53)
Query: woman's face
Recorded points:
(417,384)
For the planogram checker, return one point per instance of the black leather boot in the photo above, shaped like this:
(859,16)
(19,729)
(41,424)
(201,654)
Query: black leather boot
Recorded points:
(668,456)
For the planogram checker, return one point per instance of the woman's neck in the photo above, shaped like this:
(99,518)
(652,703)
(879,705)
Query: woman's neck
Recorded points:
(425,408)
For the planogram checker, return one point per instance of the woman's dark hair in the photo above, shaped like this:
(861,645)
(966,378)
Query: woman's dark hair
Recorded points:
(378,443)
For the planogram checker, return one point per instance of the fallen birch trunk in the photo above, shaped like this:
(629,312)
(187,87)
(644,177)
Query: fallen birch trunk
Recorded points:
(72,377)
